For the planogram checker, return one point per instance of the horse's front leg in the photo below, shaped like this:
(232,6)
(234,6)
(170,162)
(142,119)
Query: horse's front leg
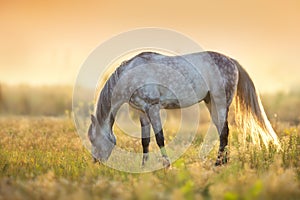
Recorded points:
(154,117)
(145,124)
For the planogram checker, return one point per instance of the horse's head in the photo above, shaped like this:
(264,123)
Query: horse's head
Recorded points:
(102,140)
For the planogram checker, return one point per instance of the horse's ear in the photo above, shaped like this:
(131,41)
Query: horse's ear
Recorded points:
(93,118)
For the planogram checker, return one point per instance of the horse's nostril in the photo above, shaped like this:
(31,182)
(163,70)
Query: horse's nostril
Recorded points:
(95,160)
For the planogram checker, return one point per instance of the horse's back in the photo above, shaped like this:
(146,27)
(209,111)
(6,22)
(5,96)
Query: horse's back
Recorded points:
(175,80)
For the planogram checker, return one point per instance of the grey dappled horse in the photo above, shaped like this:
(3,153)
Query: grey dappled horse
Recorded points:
(151,81)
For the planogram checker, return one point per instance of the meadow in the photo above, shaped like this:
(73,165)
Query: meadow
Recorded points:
(42,157)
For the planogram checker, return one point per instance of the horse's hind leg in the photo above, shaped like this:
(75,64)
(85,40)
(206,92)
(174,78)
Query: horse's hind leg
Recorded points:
(145,124)
(219,112)
(222,154)
(154,117)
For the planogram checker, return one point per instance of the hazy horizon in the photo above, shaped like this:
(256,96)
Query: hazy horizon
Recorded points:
(45,42)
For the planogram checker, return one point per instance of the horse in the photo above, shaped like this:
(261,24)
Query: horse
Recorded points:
(151,81)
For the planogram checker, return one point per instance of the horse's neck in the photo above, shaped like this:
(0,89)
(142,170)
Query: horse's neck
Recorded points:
(109,119)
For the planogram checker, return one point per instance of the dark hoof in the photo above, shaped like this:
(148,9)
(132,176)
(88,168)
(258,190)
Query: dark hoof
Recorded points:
(145,159)
(218,162)
(222,159)
(166,162)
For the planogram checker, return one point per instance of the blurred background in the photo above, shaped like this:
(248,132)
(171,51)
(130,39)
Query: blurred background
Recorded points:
(44,43)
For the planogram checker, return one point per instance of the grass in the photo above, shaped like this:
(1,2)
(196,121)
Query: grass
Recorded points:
(43,158)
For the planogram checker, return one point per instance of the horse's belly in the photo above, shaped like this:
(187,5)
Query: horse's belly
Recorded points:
(168,98)
(184,97)
(176,103)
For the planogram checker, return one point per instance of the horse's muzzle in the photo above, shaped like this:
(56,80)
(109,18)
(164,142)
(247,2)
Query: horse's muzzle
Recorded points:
(95,160)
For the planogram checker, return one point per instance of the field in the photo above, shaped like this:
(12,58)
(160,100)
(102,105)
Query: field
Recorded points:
(42,157)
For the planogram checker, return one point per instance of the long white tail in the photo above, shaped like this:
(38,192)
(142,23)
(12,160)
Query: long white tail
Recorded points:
(250,115)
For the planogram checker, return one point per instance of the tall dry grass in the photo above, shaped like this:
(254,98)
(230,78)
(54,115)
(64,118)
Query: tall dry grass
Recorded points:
(43,158)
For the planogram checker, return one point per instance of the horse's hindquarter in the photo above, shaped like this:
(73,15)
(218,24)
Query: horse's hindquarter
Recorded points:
(207,68)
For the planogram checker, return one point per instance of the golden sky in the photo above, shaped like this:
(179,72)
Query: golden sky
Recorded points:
(45,42)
